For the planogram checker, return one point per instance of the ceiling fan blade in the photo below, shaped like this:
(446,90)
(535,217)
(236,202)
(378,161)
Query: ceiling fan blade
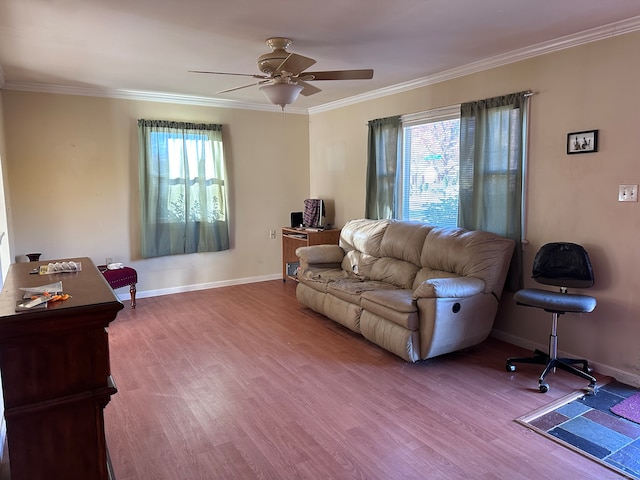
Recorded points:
(244,86)
(364,74)
(295,64)
(307,88)
(227,73)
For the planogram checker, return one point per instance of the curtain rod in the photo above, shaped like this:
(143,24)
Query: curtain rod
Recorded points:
(528,93)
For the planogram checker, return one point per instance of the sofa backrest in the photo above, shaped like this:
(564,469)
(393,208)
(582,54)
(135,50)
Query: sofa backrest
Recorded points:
(462,252)
(363,235)
(384,250)
(360,239)
(404,240)
(406,253)
(400,251)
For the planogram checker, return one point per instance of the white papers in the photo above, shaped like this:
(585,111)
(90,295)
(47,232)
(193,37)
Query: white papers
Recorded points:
(38,296)
(49,288)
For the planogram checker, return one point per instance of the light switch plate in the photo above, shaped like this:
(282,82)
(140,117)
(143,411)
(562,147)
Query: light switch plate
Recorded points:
(627,193)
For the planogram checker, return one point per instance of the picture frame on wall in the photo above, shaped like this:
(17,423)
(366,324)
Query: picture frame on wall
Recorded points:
(582,142)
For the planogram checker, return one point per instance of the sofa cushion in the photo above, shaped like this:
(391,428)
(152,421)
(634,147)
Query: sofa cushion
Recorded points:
(319,278)
(444,250)
(396,306)
(311,297)
(343,312)
(404,241)
(397,272)
(394,338)
(358,264)
(331,254)
(350,290)
(363,235)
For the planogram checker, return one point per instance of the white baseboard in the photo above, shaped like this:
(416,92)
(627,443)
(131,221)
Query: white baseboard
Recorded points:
(124,295)
(620,375)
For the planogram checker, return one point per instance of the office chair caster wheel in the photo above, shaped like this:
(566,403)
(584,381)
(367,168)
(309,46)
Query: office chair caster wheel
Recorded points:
(544,387)
(510,367)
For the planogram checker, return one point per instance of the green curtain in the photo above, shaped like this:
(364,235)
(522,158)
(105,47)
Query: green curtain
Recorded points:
(183,195)
(492,159)
(383,156)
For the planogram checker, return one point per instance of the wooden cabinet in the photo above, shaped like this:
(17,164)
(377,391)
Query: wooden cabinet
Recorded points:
(56,378)
(292,238)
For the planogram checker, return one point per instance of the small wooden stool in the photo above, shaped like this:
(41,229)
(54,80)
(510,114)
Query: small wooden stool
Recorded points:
(121,277)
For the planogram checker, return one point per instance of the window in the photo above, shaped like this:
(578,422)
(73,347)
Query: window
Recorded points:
(191,174)
(429,167)
(182,188)
(459,166)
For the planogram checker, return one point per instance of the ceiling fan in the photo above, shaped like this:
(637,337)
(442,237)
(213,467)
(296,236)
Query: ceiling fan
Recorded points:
(284,74)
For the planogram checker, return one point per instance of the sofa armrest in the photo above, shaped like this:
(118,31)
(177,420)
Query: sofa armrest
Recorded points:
(320,255)
(458,287)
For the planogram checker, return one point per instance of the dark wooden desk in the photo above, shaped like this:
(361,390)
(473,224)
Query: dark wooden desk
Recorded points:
(56,377)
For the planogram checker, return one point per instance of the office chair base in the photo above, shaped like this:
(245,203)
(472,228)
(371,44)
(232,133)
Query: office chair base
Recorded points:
(566,364)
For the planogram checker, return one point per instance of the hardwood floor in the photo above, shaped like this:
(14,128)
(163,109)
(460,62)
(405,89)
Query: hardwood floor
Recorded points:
(243,382)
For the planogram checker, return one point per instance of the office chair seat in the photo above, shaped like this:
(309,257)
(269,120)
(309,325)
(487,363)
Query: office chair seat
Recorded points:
(555,301)
(565,265)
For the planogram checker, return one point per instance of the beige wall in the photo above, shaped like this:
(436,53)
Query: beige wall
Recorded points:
(570,197)
(5,240)
(72,165)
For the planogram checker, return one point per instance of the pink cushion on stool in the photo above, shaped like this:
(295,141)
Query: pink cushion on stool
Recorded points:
(121,277)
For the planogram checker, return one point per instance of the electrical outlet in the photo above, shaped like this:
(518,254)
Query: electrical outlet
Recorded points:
(627,193)
(272,234)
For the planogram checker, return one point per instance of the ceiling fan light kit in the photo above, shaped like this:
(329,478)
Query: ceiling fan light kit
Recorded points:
(281,93)
(285,75)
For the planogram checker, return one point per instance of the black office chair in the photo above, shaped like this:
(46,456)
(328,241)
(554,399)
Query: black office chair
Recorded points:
(565,265)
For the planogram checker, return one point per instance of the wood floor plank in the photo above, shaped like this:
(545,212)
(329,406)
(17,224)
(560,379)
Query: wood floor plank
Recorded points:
(243,382)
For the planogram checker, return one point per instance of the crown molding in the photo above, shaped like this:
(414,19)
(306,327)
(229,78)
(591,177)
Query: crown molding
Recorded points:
(599,33)
(561,43)
(148,96)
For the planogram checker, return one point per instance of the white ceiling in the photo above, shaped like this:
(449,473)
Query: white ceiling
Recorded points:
(147,47)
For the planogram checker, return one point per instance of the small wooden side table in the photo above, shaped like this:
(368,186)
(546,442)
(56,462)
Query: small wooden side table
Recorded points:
(292,238)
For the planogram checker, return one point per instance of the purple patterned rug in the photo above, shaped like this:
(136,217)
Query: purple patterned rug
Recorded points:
(629,408)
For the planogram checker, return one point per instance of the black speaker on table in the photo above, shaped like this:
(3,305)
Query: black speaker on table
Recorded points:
(296,219)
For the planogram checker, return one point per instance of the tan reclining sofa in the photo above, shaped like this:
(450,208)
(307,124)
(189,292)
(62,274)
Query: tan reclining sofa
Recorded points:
(416,290)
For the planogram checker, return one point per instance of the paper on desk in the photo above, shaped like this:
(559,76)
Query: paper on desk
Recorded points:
(50,288)
(35,302)
(38,296)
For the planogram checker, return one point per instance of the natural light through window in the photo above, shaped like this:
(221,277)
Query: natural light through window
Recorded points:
(196,150)
(191,174)
(430,166)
